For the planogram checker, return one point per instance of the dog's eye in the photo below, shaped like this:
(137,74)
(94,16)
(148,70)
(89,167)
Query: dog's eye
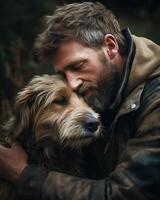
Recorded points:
(60,101)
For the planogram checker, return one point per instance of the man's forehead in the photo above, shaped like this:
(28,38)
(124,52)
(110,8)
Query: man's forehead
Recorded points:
(69,53)
(70,44)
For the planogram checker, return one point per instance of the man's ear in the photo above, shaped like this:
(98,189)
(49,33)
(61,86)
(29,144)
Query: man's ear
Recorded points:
(110,46)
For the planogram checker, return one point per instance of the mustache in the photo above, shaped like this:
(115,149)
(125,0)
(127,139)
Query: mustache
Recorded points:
(87,86)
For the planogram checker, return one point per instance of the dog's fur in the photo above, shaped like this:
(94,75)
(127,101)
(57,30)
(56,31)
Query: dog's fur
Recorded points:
(53,125)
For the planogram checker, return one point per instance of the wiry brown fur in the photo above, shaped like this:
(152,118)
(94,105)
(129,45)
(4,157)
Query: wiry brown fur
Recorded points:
(49,123)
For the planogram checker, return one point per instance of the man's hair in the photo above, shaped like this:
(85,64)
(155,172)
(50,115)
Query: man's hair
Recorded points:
(85,22)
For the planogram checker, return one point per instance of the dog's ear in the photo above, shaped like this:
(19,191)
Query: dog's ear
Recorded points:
(19,124)
(23,111)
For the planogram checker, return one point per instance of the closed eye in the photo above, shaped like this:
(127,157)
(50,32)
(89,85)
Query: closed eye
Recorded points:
(61,101)
(77,66)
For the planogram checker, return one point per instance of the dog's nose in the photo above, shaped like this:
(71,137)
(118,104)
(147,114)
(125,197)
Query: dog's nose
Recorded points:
(91,124)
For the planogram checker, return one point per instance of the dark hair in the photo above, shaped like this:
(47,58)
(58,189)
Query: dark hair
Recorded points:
(85,22)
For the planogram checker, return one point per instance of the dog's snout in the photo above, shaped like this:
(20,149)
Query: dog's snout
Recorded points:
(91,124)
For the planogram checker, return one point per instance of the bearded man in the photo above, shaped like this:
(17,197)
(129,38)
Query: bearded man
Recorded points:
(118,74)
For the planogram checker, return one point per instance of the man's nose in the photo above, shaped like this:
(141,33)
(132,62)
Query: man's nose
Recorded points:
(74,81)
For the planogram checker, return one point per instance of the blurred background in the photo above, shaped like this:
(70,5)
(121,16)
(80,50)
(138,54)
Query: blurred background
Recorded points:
(21,21)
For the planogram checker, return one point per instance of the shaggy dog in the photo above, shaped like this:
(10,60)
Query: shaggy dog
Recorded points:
(53,125)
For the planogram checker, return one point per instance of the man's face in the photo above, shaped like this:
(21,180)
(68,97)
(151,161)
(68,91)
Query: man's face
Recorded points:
(89,72)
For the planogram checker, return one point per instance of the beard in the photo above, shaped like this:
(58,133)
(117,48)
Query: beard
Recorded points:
(100,95)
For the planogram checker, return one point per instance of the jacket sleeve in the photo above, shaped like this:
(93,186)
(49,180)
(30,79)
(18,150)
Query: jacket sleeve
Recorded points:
(38,183)
(137,176)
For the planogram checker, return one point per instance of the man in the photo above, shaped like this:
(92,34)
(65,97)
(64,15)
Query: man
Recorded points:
(118,74)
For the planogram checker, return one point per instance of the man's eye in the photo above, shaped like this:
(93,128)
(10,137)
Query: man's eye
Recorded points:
(78,66)
(60,101)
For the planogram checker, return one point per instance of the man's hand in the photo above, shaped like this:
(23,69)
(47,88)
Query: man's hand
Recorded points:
(12,162)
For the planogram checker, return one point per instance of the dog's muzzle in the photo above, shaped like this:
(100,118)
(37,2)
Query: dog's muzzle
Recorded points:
(91,124)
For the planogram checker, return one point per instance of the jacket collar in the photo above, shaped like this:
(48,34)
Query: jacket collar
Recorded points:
(141,64)
(127,67)
(146,63)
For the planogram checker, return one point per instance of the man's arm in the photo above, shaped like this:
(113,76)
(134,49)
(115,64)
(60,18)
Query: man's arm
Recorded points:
(37,183)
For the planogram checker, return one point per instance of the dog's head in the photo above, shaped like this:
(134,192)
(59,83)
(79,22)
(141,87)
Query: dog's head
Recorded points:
(48,109)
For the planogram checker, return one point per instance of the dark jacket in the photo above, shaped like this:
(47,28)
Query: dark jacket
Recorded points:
(132,151)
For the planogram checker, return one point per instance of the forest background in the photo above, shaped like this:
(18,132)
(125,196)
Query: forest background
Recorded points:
(21,21)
